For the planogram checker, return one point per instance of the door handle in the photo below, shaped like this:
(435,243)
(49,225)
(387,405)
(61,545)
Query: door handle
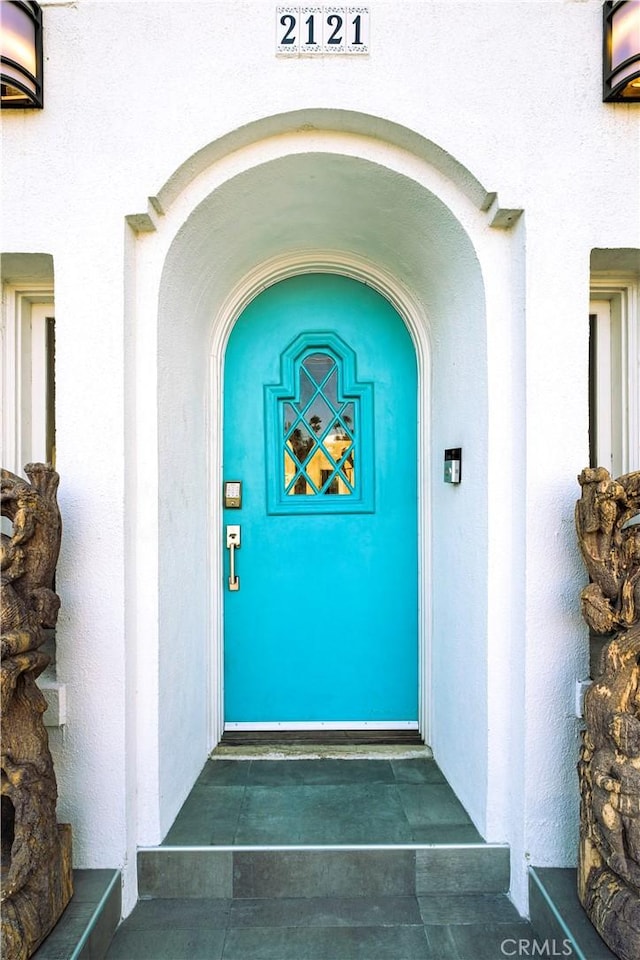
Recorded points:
(233,542)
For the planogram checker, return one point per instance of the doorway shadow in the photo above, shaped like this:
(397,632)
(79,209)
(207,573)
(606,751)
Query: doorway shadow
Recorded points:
(329,801)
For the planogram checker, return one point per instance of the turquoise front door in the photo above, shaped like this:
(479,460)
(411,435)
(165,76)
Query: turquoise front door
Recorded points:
(320,428)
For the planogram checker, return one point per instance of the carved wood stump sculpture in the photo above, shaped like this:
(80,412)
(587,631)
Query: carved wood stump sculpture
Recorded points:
(609,767)
(36,851)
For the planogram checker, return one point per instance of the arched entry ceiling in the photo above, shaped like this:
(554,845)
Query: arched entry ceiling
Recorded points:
(317,201)
(318,179)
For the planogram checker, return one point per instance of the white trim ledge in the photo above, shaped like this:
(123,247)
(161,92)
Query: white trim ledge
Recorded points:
(326,725)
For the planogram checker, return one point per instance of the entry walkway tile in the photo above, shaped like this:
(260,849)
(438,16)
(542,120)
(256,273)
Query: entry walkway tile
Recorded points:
(467,909)
(329,943)
(493,941)
(87,925)
(328,801)
(452,833)
(426,804)
(323,814)
(172,930)
(204,913)
(329,771)
(417,770)
(208,816)
(326,912)
(361,928)
(170,943)
(323,873)
(558,915)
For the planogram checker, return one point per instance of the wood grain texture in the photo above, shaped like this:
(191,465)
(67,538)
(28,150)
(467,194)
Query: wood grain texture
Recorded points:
(36,850)
(609,766)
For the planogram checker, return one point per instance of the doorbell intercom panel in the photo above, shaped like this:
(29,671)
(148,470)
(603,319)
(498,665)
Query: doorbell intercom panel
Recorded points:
(452,465)
(232,494)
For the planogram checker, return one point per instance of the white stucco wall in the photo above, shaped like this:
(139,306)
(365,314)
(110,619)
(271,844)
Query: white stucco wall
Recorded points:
(457,100)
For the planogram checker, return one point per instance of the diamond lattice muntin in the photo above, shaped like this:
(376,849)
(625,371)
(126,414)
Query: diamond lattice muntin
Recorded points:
(319,432)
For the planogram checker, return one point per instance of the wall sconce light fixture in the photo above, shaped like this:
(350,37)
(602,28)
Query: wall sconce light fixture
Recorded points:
(21,54)
(621,51)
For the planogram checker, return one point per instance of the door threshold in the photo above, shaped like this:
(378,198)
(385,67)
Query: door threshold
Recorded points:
(339,727)
(327,751)
(320,738)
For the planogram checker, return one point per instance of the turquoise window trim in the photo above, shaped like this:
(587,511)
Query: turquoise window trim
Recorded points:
(362,499)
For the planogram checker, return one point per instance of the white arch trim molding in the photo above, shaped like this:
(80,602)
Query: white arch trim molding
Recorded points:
(265,275)
(323,121)
(304,130)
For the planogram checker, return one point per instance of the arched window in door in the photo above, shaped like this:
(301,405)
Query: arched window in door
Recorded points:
(319,431)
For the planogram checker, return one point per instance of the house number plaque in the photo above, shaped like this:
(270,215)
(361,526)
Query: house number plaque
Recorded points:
(322,31)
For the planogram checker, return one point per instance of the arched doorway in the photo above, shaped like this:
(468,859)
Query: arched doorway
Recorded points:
(244,223)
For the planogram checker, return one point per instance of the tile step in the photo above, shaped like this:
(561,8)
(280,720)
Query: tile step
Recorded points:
(433,927)
(557,915)
(345,871)
(435,901)
(86,928)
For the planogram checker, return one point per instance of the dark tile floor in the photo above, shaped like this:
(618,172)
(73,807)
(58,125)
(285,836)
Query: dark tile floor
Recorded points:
(281,799)
(471,927)
(328,801)
(86,927)
(322,802)
(555,909)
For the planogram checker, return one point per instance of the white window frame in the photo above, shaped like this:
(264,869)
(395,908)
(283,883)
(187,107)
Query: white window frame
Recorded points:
(615,304)
(25,311)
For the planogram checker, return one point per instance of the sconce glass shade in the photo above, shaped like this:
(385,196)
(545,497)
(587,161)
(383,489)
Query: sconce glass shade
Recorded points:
(621,55)
(21,54)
